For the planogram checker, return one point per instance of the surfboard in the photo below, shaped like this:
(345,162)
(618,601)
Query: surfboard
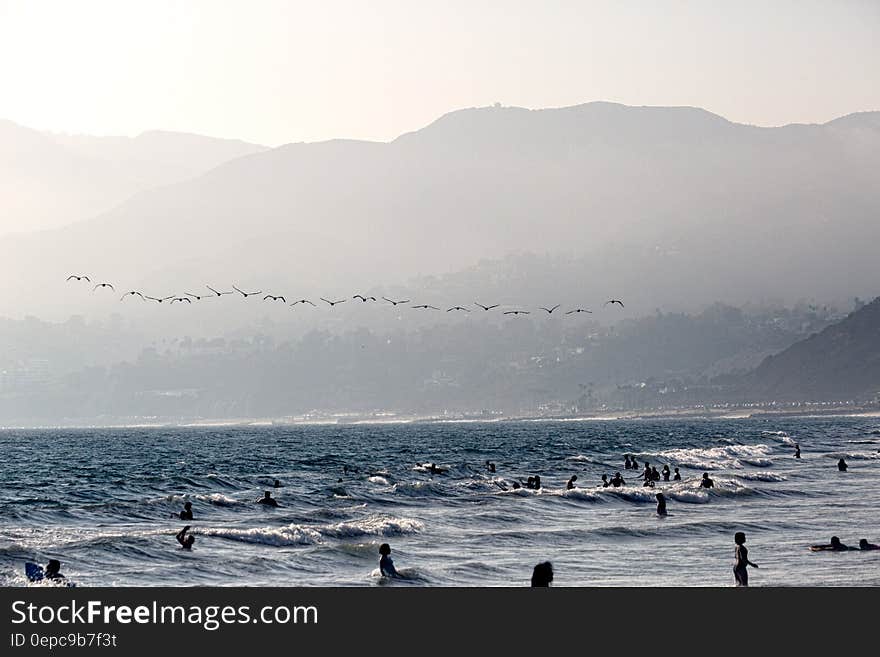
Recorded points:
(34,572)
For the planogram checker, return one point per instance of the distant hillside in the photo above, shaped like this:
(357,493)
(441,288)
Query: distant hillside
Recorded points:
(51,180)
(669,207)
(842,362)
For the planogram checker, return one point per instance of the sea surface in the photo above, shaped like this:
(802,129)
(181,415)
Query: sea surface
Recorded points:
(104,502)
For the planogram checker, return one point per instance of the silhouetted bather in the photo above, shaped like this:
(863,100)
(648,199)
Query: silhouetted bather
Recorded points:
(649,483)
(605,482)
(661,504)
(666,473)
(634,464)
(187,513)
(267,499)
(277,484)
(676,476)
(655,476)
(617,480)
(185,540)
(626,463)
(834,546)
(435,470)
(797,451)
(706,482)
(542,575)
(646,473)
(490,467)
(740,567)
(386,565)
(864,545)
(841,465)
(53,569)
(570,485)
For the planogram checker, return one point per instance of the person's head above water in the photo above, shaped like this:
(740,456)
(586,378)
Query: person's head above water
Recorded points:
(267,495)
(188,505)
(863,543)
(835,542)
(575,477)
(705,475)
(53,568)
(739,538)
(385,549)
(542,575)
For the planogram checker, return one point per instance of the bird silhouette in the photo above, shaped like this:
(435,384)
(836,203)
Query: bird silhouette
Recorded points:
(198,297)
(133,292)
(81,277)
(517,312)
(457,308)
(617,301)
(426,306)
(579,310)
(157,299)
(487,307)
(181,299)
(103,285)
(363,298)
(333,303)
(550,310)
(395,303)
(217,292)
(246,294)
(302,301)
(274,298)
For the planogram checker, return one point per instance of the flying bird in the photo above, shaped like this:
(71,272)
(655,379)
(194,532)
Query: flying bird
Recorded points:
(274,298)
(579,310)
(103,285)
(517,312)
(550,310)
(487,307)
(457,308)
(363,298)
(302,301)
(395,303)
(181,299)
(80,278)
(157,299)
(425,306)
(246,294)
(333,303)
(217,293)
(617,301)
(198,297)
(133,292)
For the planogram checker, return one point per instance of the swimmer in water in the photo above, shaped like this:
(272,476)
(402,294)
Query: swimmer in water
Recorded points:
(649,483)
(655,476)
(186,540)
(490,467)
(841,465)
(53,569)
(666,473)
(617,480)
(740,567)
(661,504)
(277,484)
(634,464)
(542,575)
(570,485)
(386,565)
(706,482)
(797,451)
(435,470)
(676,476)
(834,546)
(646,473)
(626,463)
(187,513)
(864,545)
(267,499)
(605,483)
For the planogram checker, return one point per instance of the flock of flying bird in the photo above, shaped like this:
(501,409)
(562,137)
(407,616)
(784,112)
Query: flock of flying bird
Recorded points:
(188,297)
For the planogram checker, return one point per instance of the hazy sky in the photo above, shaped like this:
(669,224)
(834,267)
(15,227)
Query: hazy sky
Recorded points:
(279,71)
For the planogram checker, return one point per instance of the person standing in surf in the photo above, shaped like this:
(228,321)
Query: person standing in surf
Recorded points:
(740,568)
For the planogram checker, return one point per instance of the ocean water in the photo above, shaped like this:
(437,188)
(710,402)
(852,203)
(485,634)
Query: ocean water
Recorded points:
(104,502)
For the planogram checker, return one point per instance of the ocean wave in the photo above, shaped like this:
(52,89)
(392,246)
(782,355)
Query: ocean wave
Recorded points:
(760,476)
(378,480)
(716,458)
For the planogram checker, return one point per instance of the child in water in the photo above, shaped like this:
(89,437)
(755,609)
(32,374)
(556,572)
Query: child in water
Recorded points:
(740,568)
(386,565)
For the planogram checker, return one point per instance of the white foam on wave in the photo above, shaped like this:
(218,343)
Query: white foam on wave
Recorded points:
(760,476)
(717,458)
(378,480)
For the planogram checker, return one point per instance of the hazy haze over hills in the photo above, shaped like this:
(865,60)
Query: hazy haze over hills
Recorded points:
(50,180)
(668,207)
